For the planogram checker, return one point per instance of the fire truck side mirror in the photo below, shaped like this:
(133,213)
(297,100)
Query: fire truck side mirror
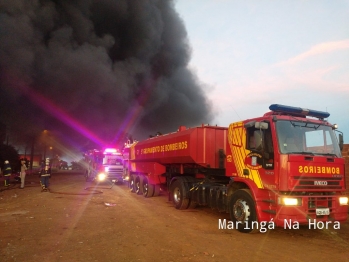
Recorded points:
(341,141)
(261,125)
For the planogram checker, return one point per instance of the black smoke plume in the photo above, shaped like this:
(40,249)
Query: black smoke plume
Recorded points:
(110,66)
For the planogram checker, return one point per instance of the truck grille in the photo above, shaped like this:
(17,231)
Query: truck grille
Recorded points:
(304,182)
(319,202)
(115,172)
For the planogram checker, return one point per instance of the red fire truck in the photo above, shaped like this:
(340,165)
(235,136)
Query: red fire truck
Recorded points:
(282,167)
(104,165)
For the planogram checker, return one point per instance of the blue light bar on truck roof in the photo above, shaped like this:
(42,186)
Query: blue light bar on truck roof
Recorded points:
(298,111)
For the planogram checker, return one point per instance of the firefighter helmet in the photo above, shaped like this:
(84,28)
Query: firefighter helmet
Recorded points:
(6,162)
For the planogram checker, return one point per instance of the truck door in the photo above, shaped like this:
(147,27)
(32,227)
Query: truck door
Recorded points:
(260,144)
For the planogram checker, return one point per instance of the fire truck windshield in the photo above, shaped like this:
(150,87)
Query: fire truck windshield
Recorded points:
(112,160)
(306,138)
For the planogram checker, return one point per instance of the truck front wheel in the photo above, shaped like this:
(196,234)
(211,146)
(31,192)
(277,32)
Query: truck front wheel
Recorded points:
(243,211)
(178,195)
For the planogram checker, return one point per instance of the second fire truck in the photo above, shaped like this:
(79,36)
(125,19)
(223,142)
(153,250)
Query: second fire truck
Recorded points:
(105,165)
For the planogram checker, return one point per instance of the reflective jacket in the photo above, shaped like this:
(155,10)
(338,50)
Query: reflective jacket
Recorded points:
(7,170)
(46,171)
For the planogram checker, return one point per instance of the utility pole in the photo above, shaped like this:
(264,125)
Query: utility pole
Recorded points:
(32,154)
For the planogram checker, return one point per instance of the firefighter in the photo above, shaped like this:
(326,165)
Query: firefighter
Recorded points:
(45,176)
(23,172)
(7,172)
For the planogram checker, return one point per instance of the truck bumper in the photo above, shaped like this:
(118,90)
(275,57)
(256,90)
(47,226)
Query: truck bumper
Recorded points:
(304,216)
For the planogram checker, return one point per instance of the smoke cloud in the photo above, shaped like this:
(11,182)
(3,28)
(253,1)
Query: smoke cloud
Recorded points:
(111,66)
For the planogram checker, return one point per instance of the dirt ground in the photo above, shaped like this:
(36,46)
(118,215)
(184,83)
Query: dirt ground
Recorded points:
(79,221)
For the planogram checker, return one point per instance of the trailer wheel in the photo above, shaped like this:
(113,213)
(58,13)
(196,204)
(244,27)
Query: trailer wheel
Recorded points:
(178,193)
(243,211)
(137,185)
(148,189)
(131,183)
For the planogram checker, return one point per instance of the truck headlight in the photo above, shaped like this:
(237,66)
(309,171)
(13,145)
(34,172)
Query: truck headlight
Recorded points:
(290,201)
(343,201)
(101,177)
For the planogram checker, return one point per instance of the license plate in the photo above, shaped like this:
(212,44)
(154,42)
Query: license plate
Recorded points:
(322,211)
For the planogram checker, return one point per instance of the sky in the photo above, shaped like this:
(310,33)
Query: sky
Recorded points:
(251,54)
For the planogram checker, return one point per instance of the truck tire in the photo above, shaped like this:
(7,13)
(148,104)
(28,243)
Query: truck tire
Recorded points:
(178,195)
(137,185)
(147,189)
(131,183)
(242,210)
